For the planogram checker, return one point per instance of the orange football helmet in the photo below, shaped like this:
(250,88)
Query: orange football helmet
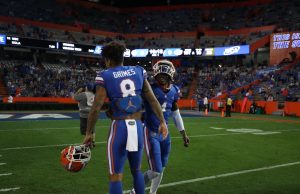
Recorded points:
(75,157)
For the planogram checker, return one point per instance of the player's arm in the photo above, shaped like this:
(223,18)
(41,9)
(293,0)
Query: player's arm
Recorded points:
(179,123)
(156,108)
(79,90)
(108,111)
(100,96)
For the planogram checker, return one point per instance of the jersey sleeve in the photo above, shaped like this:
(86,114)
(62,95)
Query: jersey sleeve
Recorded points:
(143,72)
(99,80)
(177,93)
(145,75)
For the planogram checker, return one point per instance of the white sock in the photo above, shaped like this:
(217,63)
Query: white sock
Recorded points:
(150,175)
(156,182)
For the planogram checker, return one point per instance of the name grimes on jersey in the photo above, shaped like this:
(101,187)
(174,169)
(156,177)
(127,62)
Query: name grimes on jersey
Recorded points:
(126,73)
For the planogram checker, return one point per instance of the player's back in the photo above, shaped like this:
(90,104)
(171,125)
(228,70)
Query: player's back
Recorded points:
(166,100)
(123,85)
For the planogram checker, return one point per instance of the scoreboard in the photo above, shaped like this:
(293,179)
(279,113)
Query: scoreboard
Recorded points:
(45,44)
(187,52)
(139,53)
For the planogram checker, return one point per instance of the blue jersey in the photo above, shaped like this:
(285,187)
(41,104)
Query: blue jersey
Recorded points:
(123,85)
(166,101)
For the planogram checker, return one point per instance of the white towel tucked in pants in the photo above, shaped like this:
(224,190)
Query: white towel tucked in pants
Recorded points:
(132,136)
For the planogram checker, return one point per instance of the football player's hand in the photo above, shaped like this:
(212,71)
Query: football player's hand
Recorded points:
(186,139)
(163,129)
(89,140)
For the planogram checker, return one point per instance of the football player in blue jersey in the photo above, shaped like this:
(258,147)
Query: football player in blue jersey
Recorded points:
(124,86)
(158,148)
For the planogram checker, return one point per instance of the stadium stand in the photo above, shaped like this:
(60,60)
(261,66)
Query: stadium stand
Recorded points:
(155,20)
(170,27)
(23,78)
(189,20)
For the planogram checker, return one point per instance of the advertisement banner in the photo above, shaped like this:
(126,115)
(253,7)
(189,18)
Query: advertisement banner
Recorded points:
(284,45)
(232,50)
(2,39)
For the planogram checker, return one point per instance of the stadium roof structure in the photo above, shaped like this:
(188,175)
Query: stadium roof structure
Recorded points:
(143,3)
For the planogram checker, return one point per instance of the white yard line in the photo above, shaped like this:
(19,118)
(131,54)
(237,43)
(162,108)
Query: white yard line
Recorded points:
(34,120)
(9,189)
(191,123)
(45,146)
(210,135)
(38,129)
(102,142)
(267,133)
(225,175)
(6,174)
(288,130)
(216,128)
(2,164)
(41,129)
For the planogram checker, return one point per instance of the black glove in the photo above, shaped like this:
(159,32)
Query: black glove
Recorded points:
(186,140)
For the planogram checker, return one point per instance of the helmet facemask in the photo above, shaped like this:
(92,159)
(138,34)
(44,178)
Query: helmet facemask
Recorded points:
(164,73)
(74,158)
(80,153)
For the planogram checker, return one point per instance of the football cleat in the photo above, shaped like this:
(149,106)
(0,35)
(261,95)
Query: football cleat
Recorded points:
(75,157)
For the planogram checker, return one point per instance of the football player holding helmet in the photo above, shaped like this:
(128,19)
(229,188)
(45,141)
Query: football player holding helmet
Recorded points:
(75,157)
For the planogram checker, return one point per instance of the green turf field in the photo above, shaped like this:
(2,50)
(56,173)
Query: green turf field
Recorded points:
(226,156)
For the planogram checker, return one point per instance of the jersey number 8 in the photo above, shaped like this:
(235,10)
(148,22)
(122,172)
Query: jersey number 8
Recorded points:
(127,88)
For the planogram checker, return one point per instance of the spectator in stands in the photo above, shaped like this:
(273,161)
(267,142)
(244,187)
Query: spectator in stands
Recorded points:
(270,98)
(10,99)
(284,92)
(41,81)
(157,21)
(18,92)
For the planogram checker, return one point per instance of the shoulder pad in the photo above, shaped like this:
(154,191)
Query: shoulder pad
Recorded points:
(176,88)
